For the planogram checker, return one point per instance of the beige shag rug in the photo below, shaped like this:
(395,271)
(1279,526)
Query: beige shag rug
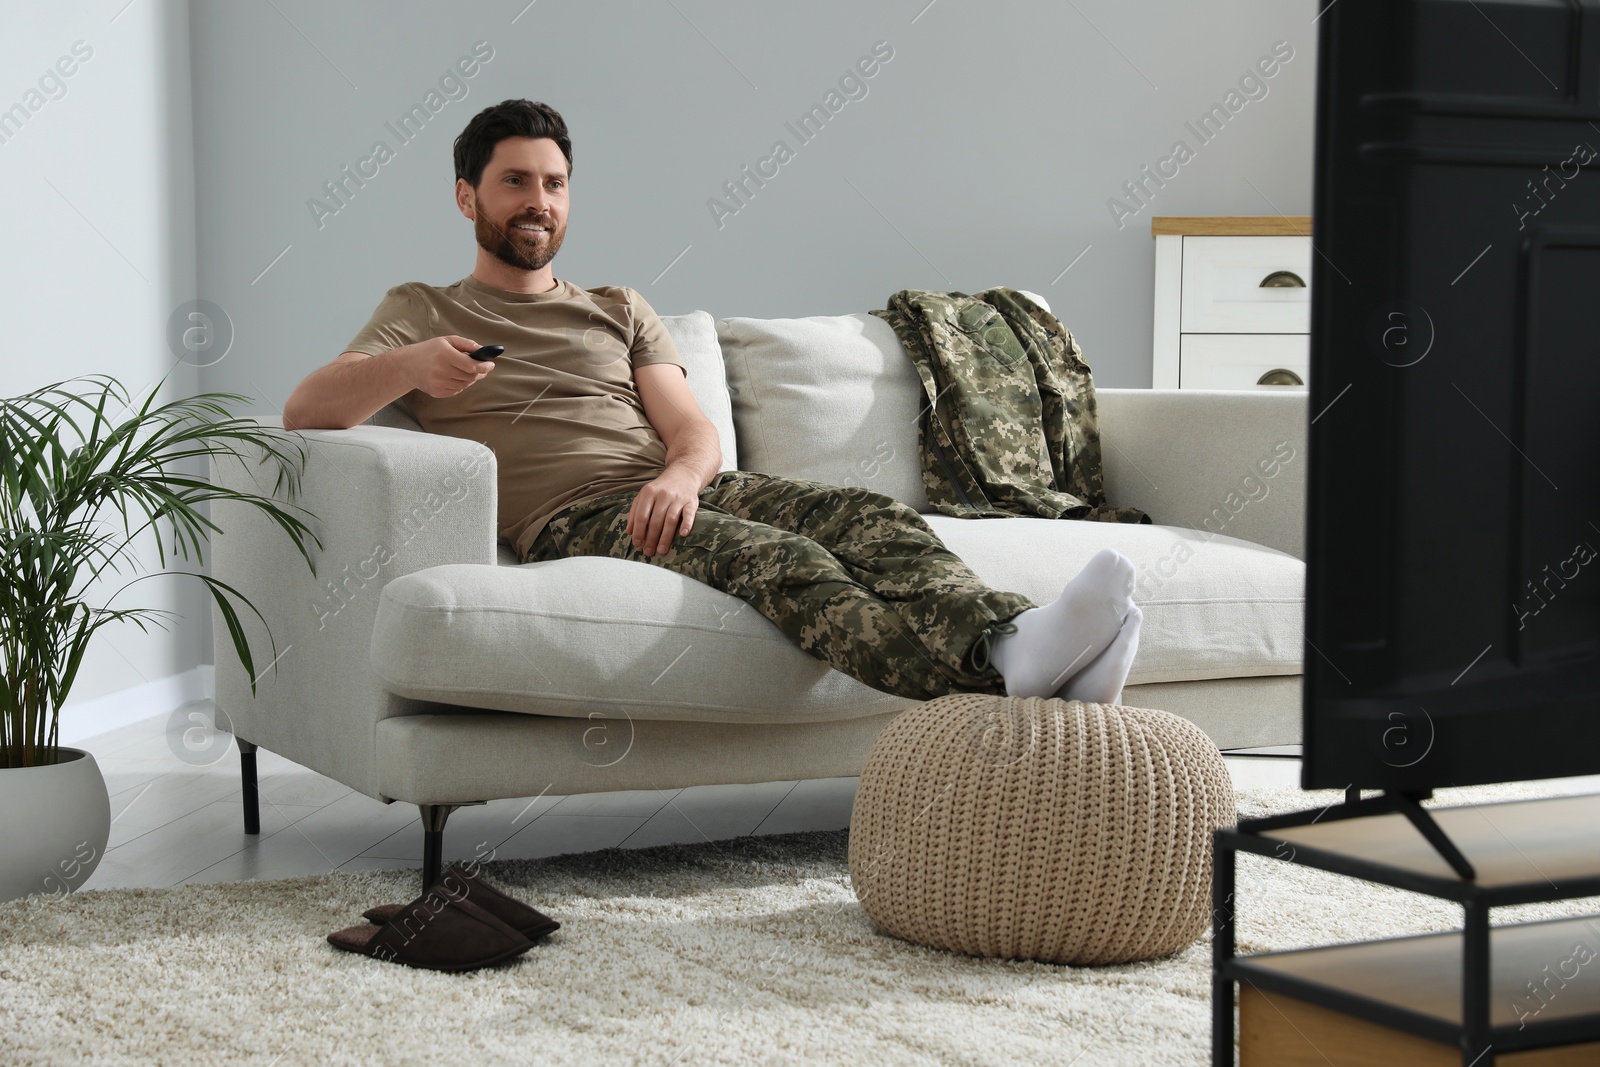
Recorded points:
(750,951)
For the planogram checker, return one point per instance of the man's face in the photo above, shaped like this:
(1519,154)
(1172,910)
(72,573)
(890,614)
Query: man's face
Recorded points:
(524,185)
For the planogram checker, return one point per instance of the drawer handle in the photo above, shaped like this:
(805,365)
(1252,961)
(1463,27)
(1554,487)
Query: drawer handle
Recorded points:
(1283,279)
(1281,376)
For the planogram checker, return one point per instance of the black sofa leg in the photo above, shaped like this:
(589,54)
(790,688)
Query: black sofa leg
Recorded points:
(434,817)
(252,796)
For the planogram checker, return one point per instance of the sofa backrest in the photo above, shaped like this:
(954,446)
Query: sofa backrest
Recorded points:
(396,416)
(695,336)
(828,398)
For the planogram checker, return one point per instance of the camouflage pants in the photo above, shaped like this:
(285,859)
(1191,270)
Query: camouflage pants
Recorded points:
(854,578)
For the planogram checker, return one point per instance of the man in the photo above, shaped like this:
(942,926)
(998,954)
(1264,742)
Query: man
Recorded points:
(602,450)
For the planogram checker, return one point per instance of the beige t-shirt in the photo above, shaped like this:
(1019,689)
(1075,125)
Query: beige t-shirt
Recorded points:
(560,410)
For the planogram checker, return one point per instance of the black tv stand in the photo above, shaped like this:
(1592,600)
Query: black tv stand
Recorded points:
(1479,995)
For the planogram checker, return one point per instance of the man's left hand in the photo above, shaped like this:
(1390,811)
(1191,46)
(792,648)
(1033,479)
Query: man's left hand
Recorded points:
(664,507)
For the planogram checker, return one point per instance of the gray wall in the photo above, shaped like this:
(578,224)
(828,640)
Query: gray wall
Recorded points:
(985,152)
(97,213)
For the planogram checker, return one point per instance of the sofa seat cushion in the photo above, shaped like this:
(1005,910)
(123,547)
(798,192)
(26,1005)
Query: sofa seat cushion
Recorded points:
(1214,606)
(592,635)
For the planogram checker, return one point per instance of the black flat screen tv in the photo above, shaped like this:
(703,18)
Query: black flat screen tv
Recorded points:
(1453,520)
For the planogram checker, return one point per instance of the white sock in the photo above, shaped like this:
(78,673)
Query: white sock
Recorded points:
(1054,642)
(1101,682)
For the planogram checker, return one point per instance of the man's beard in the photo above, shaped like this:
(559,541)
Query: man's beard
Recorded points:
(510,247)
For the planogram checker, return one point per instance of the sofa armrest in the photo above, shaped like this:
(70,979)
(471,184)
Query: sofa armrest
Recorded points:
(386,502)
(1225,462)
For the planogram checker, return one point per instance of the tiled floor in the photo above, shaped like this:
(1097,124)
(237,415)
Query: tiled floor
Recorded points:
(176,815)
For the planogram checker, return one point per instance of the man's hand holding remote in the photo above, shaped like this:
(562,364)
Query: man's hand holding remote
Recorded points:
(443,366)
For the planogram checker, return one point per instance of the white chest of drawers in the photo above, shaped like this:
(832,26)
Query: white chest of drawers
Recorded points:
(1232,302)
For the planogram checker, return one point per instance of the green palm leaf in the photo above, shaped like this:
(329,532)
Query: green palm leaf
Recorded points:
(83,474)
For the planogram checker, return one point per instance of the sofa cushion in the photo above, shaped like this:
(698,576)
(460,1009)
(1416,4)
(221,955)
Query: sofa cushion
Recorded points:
(695,336)
(828,398)
(1214,606)
(591,634)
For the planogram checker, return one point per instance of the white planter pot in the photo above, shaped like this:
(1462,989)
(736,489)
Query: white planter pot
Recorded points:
(56,822)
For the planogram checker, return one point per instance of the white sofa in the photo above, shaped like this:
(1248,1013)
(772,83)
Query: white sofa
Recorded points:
(423,664)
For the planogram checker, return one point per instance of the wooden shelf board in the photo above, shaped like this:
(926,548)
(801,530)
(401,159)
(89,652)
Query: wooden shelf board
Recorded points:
(1509,844)
(1280,1031)
(1423,974)
(1231,225)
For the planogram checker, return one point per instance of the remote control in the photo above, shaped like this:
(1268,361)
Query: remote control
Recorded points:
(487,352)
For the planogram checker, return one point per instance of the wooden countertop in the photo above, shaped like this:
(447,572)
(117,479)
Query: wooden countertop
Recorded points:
(1232,225)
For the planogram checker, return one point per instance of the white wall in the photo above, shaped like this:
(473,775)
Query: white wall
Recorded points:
(97,213)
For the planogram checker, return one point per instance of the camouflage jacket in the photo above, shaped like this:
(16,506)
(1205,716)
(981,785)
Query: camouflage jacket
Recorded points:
(1010,427)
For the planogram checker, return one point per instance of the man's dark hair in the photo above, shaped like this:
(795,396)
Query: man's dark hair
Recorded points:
(508,118)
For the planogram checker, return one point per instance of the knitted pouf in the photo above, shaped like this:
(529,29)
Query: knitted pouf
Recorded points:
(1041,829)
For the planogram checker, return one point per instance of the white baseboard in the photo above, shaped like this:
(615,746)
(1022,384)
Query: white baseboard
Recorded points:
(87,718)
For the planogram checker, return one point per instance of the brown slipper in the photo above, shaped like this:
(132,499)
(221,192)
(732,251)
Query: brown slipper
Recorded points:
(530,922)
(437,932)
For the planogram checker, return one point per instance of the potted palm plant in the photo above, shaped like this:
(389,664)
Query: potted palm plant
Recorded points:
(83,489)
